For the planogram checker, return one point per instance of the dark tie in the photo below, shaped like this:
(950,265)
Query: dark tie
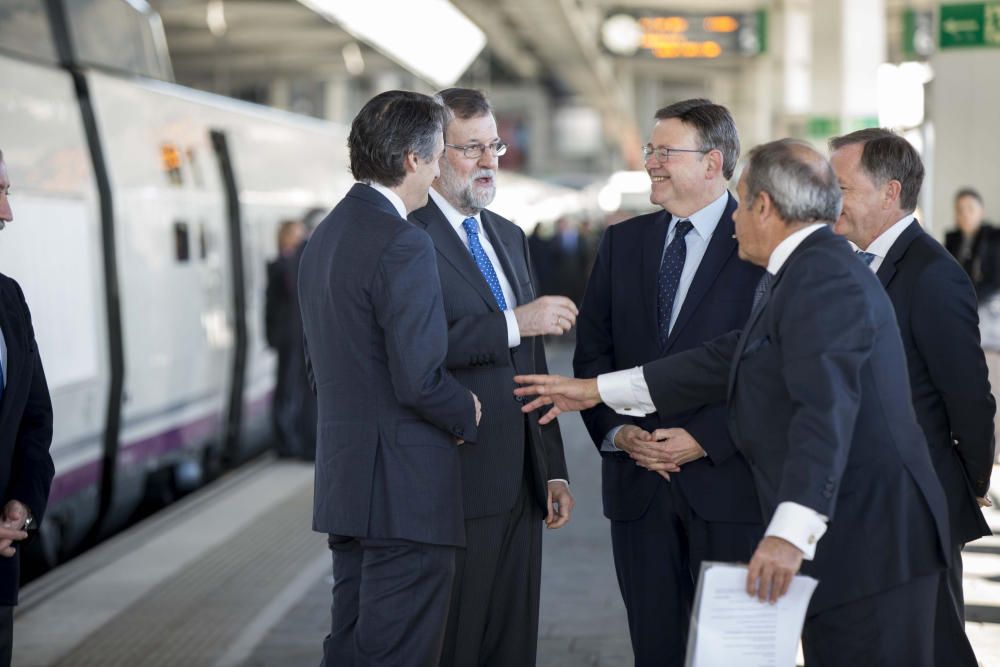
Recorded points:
(865,257)
(483,262)
(760,294)
(670,277)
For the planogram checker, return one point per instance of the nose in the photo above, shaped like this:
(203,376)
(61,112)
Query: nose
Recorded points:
(6,214)
(488,160)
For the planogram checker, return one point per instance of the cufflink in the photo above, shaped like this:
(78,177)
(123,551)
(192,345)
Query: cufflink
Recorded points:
(811,540)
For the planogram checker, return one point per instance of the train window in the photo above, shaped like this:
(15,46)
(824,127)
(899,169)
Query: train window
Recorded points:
(182,241)
(123,35)
(25,30)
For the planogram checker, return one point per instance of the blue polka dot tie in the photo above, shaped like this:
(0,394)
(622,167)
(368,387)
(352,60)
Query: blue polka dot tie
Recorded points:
(483,262)
(670,277)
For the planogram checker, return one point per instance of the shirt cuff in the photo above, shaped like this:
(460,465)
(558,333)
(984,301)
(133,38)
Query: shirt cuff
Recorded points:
(626,392)
(799,525)
(513,333)
(608,444)
(559,479)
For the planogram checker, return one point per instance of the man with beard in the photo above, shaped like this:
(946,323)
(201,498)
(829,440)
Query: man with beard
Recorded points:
(514,475)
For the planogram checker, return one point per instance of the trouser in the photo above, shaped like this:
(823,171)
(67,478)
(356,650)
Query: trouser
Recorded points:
(658,558)
(951,644)
(6,635)
(894,628)
(493,620)
(390,602)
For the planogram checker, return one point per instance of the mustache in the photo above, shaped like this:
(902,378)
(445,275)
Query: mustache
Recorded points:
(484,173)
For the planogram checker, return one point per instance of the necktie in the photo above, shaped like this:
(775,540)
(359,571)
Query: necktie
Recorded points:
(483,262)
(865,257)
(670,277)
(760,293)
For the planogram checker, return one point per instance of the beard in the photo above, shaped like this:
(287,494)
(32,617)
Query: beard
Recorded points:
(464,194)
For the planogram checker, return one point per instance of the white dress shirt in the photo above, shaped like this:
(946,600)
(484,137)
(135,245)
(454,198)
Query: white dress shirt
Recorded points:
(704,222)
(456,218)
(627,393)
(880,246)
(394,199)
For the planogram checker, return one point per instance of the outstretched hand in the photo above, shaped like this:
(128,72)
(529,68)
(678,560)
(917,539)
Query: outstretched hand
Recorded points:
(562,393)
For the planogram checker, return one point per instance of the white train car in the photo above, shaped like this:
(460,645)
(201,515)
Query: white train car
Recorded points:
(144,215)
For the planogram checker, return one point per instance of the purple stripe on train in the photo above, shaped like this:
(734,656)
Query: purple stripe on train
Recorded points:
(72,482)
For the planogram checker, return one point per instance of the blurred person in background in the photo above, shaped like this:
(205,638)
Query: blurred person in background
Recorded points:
(26,468)
(880,174)
(391,418)
(663,283)
(975,243)
(572,258)
(514,477)
(283,330)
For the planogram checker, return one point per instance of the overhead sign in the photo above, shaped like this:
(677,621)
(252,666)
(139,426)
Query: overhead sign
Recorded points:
(969,25)
(657,34)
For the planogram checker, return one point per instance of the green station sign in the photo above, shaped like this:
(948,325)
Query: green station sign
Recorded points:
(969,25)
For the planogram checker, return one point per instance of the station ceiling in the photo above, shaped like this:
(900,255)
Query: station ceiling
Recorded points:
(552,40)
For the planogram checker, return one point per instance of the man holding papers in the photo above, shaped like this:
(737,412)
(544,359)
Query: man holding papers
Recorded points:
(817,407)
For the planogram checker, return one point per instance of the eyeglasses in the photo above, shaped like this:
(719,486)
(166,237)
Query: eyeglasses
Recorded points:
(663,153)
(498,148)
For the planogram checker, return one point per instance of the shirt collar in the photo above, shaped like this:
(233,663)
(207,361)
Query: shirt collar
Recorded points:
(784,250)
(394,199)
(707,219)
(880,246)
(453,215)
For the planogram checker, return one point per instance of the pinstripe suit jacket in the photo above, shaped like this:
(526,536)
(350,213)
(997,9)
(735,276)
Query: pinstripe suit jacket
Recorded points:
(478,356)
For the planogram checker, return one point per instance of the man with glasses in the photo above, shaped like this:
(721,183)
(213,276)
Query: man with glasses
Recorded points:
(880,174)
(514,476)
(663,283)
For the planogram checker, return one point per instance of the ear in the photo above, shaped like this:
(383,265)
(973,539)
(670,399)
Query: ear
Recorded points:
(891,193)
(713,163)
(410,162)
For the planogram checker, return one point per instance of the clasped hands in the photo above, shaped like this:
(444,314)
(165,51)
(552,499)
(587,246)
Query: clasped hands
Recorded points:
(663,451)
(774,562)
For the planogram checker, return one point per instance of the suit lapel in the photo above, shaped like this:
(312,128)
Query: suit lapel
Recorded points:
(450,247)
(720,247)
(887,270)
(514,277)
(652,253)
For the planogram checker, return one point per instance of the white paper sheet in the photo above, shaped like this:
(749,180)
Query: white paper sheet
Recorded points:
(728,627)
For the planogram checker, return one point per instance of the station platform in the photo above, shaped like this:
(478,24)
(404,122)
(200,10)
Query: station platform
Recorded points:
(232,576)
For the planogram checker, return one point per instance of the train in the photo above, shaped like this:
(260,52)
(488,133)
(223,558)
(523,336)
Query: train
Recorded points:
(144,215)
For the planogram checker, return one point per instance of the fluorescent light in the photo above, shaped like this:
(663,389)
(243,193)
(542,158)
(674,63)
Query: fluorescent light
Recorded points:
(900,96)
(430,38)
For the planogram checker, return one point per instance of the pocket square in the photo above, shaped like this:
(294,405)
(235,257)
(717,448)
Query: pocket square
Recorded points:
(754,346)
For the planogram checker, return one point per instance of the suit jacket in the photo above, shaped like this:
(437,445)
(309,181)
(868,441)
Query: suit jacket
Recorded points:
(26,468)
(617,329)
(478,355)
(936,309)
(388,412)
(817,407)
(982,264)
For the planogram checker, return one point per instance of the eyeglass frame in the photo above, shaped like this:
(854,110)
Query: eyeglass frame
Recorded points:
(649,151)
(498,148)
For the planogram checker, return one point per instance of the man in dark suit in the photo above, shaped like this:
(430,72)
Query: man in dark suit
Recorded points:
(390,417)
(283,332)
(975,243)
(841,467)
(881,174)
(653,292)
(26,468)
(514,476)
